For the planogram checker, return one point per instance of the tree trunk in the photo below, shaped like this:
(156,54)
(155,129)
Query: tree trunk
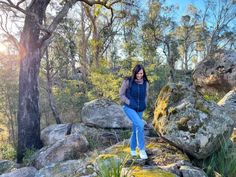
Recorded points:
(84,46)
(28,116)
(49,90)
(171,63)
(28,109)
(186,59)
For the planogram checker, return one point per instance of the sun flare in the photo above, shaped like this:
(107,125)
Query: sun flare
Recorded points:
(3,48)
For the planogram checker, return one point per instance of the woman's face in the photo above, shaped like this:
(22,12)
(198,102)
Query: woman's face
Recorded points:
(139,75)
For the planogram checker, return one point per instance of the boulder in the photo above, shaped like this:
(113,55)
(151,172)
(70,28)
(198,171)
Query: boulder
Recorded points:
(69,168)
(7,166)
(189,171)
(104,114)
(191,123)
(99,137)
(144,171)
(184,169)
(55,132)
(216,74)
(229,103)
(71,147)
(21,172)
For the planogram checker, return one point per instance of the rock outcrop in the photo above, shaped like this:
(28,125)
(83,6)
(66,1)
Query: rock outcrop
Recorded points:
(229,103)
(71,147)
(193,124)
(7,166)
(54,133)
(68,169)
(21,172)
(104,114)
(216,74)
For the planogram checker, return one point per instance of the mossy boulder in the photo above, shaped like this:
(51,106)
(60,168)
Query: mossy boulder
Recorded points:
(191,123)
(160,153)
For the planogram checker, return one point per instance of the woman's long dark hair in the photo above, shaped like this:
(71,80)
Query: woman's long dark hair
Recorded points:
(135,70)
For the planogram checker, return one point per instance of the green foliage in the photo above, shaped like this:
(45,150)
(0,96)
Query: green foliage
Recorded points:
(7,152)
(105,83)
(70,98)
(27,159)
(222,161)
(212,97)
(111,167)
(125,134)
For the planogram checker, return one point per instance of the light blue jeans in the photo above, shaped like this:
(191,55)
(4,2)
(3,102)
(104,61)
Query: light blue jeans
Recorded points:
(137,137)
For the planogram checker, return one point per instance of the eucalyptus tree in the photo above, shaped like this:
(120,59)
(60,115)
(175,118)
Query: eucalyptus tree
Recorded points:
(159,29)
(187,34)
(218,24)
(130,33)
(34,39)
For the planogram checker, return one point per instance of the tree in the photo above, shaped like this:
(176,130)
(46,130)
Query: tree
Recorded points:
(159,27)
(217,31)
(129,27)
(33,42)
(186,34)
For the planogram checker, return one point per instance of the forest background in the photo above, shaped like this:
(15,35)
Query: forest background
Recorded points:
(94,47)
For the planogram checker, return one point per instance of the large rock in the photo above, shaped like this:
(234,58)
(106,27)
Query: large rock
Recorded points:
(183,117)
(229,103)
(69,168)
(55,132)
(105,114)
(21,172)
(71,147)
(7,166)
(216,74)
(99,137)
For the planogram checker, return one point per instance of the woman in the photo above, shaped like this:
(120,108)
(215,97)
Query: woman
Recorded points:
(134,94)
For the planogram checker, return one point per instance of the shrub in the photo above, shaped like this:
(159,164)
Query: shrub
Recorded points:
(112,166)
(7,152)
(222,161)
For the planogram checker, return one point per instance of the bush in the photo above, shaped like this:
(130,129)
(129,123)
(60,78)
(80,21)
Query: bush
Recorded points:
(7,152)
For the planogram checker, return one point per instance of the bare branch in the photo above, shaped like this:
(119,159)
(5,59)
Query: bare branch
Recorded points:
(10,37)
(20,2)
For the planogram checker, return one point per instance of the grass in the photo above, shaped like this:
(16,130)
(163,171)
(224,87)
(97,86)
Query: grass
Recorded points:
(112,166)
(27,159)
(222,161)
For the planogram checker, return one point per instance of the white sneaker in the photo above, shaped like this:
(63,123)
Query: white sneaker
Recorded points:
(143,154)
(133,153)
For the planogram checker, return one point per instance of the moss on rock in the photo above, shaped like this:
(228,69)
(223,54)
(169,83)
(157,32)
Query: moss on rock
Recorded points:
(137,171)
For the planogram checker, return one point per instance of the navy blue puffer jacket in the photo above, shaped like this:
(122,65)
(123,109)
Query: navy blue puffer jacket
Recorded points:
(136,93)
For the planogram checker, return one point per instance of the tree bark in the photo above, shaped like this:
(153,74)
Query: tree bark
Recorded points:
(28,116)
